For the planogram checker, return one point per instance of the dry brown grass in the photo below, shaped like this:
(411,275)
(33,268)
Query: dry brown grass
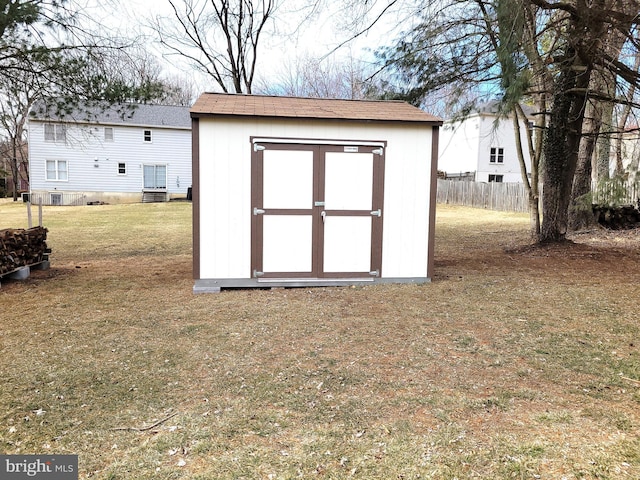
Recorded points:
(516,362)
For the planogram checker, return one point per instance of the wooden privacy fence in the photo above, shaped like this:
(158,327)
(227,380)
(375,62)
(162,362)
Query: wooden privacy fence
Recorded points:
(616,191)
(510,197)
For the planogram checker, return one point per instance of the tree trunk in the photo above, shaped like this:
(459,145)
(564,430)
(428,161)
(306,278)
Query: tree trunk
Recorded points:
(603,161)
(580,212)
(561,147)
(622,125)
(531,186)
(15,175)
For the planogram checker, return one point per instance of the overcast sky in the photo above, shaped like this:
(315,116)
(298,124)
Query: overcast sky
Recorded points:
(317,37)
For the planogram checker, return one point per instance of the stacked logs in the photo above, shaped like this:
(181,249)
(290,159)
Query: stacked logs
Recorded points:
(21,248)
(617,218)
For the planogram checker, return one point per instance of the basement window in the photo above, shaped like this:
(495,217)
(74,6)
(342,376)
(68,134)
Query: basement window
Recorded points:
(55,198)
(496,178)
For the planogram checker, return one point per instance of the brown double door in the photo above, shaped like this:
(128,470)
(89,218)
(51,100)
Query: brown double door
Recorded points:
(317,210)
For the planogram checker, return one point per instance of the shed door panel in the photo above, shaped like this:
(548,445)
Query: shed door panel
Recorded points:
(348,202)
(286,221)
(347,245)
(287,237)
(290,251)
(280,167)
(348,181)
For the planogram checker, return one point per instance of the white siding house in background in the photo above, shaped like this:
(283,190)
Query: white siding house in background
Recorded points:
(121,154)
(482,144)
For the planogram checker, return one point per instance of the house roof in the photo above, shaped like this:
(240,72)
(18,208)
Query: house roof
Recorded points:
(492,107)
(213,104)
(167,116)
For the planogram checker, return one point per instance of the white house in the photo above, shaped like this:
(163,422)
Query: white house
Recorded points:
(120,154)
(302,192)
(482,147)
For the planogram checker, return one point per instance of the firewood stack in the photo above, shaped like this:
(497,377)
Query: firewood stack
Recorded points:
(623,217)
(21,248)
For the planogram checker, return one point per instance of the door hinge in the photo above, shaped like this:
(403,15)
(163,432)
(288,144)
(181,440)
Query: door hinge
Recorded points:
(375,273)
(257,274)
(257,147)
(258,211)
(378,151)
(377,213)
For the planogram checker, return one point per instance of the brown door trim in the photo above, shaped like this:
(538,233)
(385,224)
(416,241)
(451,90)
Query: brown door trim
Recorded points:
(319,153)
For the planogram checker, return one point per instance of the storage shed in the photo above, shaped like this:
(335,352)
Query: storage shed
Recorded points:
(292,192)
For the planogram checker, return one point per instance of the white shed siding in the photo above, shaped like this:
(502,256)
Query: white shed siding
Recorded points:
(85,145)
(226,189)
(406,213)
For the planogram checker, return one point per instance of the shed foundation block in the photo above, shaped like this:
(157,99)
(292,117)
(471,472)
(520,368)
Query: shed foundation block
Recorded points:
(20,274)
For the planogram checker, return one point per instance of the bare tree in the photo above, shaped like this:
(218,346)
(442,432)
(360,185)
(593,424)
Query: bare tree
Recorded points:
(220,38)
(178,90)
(320,77)
(499,43)
(18,95)
(141,73)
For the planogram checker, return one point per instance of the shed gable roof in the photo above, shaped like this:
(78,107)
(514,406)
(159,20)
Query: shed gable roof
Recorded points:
(210,104)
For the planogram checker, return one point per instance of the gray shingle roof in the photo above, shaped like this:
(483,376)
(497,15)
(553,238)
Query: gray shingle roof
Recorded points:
(168,116)
(492,107)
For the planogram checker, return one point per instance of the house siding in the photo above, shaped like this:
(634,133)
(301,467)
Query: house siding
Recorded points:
(465,147)
(93,162)
(459,146)
(502,135)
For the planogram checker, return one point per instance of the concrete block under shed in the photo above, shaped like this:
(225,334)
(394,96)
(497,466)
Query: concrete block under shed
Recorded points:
(20,274)
(44,265)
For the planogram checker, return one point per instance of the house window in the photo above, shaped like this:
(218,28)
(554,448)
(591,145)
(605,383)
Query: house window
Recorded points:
(108,134)
(122,168)
(55,133)
(155,177)
(496,155)
(147,135)
(57,170)
(495,178)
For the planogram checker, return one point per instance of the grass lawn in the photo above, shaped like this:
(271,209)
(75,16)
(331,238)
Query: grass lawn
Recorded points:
(515,362)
